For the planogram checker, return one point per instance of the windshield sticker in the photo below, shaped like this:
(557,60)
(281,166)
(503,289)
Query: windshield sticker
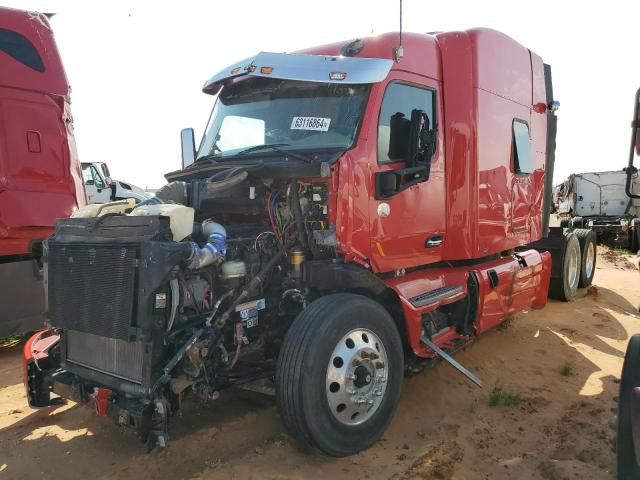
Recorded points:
(317,124)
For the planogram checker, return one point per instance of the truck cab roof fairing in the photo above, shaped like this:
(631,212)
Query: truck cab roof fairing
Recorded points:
(309,68)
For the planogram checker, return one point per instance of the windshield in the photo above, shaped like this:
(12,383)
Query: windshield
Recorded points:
(286,113)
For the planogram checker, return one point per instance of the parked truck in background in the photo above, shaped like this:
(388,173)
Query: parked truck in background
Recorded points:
(598,201)
(102,188)
(353,211)
(40,176)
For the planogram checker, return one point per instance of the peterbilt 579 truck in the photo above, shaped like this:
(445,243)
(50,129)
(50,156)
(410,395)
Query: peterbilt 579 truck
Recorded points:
(353,211)
(40,177)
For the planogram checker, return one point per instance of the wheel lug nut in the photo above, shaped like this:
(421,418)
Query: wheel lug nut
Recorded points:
(351,391)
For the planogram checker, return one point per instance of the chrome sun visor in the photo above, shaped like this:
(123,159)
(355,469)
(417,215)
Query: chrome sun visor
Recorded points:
(308,68)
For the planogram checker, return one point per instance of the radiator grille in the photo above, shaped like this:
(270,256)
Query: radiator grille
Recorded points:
(115,357)
(91,288)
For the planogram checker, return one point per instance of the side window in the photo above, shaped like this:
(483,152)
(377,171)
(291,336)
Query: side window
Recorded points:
(523,162)
(97,179)
(87,175)
(394,124)
(21,49)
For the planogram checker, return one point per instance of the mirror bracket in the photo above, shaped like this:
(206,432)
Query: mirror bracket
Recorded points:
(392,182)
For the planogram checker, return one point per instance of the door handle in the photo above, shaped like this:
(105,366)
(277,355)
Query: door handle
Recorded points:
(434,241)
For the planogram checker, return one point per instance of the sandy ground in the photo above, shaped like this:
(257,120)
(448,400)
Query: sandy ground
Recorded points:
(444,427)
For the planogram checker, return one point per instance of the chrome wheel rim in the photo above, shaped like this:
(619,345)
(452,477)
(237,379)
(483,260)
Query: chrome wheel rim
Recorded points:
(590,261)
(356,377)
(573,269)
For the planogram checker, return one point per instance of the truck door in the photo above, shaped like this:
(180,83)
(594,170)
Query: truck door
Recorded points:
(407,226)
(95,186)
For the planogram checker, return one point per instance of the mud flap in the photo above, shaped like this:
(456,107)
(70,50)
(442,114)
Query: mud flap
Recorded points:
(452,361)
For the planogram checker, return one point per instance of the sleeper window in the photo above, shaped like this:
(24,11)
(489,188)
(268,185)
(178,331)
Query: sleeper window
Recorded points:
(523,162)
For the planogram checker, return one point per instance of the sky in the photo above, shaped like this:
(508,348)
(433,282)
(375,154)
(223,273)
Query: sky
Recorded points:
(137,67)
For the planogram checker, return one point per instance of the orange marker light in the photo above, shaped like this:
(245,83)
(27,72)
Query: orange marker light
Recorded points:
(266,70)
(379,248)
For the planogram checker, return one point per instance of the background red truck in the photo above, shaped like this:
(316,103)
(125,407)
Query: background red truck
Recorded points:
(40,176)
(353,211)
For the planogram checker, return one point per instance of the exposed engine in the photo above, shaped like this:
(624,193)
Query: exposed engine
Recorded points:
(189,292)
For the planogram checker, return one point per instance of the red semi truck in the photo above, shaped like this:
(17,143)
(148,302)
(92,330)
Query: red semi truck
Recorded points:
(40,176)
(354,211)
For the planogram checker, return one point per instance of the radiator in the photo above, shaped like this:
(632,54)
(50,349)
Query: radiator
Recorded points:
(91,288)
(111,356)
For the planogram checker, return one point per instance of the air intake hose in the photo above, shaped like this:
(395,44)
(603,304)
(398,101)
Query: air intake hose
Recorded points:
(173,192)
(215,248)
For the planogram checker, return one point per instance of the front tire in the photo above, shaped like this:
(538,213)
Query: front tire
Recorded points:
(339,374)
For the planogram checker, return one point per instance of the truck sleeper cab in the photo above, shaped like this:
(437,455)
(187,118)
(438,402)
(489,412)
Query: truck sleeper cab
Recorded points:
(351,216)
(40,177)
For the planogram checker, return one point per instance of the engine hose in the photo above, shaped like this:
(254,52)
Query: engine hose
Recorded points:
(253,283)
(229,178)
(297,212)
(215,248)
(173,192)
(216,307)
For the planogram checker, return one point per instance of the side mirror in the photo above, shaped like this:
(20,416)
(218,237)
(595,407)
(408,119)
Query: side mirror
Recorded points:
(634,148)
(422,139)
(188,144)
(108,182)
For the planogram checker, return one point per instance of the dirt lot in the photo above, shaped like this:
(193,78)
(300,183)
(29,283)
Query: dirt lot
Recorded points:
(557,369)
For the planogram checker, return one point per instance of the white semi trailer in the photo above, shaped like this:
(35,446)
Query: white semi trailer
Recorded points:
(606,202)
(598,200)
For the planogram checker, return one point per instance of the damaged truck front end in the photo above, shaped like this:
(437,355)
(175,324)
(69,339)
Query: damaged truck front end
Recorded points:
(338,226)
(193,291)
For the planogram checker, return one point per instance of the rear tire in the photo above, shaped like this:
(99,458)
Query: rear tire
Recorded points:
(628,468)
(332,357)
(588,244)
(564,288)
